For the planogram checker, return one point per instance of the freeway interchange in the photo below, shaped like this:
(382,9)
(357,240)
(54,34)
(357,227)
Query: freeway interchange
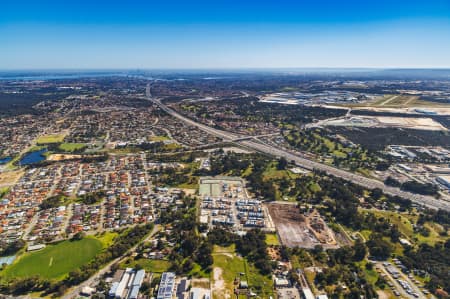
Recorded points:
(245,141)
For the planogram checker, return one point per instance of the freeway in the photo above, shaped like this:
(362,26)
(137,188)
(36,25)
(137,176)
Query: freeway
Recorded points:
(369,183)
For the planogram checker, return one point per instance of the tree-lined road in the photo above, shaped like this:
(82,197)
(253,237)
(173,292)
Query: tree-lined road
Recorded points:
(369,183)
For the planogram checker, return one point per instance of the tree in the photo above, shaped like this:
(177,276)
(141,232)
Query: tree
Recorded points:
(360,251)
(379,247)
(282,163)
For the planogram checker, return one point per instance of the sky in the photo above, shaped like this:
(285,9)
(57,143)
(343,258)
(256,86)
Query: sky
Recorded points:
(175,34)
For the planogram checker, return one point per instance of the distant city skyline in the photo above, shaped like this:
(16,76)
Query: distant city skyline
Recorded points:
(224,34)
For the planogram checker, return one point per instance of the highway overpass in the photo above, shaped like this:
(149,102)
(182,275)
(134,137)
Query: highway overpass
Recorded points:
(369,183)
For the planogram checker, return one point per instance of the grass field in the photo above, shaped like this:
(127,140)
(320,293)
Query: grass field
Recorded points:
(159,138)
(55,138)
(232,266)
(272,240)
(55,261)
(70,147)
(154,266)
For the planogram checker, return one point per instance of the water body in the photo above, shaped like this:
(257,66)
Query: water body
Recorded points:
(33,157)
(5,160)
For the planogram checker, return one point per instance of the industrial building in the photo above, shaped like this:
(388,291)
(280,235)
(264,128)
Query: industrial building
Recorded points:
(444,180)
(166,286)
(128,286)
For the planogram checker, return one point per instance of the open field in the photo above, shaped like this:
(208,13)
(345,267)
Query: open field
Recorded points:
(10,177)
(272,240)
(296,230)
(159,138)
(54,138)
(70,147)
(55,261)
(154,266)
(228,266)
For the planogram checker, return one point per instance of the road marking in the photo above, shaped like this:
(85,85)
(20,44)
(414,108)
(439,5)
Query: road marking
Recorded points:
(51,262)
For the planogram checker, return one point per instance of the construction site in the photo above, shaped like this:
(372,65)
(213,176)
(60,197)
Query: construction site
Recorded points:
(297,229)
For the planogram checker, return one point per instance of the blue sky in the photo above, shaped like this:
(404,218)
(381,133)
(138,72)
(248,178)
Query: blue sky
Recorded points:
(224,34)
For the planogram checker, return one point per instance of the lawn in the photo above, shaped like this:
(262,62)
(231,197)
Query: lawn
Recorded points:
(54,138)
(55,261)
(70,147)
(272,240)
(159,138)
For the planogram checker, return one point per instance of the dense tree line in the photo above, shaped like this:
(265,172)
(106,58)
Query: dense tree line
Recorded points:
(379,138)
(189,247)
(420,188)
(11,248)
(434,260)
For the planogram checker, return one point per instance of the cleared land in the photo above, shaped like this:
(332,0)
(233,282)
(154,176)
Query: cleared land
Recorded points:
(54,138)
(398,101)
(419,123)
(296,230)
(55,261)
(228,266)
(10,177)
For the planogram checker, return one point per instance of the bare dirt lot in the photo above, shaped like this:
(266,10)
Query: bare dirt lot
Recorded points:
(10,177)
(294,229)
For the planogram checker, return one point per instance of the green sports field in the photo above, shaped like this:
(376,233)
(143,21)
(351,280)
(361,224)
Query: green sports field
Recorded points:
(54,138)
(54,261)
(70,147)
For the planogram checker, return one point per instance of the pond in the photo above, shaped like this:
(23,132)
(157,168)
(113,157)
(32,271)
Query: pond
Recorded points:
(33,157)
(5,160)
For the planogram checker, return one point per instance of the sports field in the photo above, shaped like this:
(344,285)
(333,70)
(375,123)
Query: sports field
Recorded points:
(54,261)
(70,147)
(55,138)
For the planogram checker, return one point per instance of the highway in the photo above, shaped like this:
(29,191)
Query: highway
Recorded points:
(369,183)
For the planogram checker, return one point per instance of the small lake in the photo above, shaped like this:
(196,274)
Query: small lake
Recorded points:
(5,160)
(33,157)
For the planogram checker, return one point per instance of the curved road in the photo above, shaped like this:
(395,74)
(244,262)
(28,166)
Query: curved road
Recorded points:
(369,183)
